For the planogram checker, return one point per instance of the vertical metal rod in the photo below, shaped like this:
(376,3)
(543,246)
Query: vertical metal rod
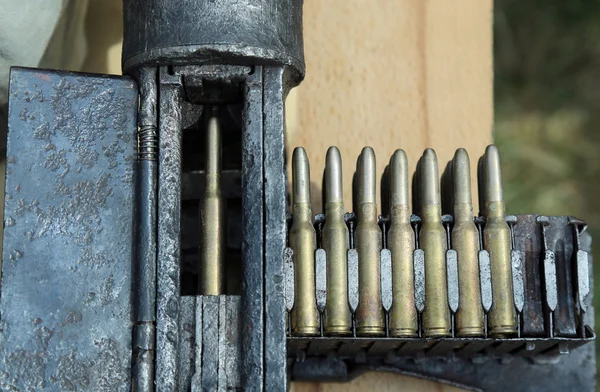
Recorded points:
(145,262)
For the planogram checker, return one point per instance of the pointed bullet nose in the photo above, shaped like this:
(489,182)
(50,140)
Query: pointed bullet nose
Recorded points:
(461,175)
(398,172)
(213,146)
(461,157)
(333,176)
(300,176)
(492,174)
(367,178)
(429,179)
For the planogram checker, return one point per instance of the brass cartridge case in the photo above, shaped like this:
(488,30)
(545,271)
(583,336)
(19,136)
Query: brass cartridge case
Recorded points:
(303,241)
(436,315)
(368,238)
(338,320)
(496,239)
(401,242)
(469,320)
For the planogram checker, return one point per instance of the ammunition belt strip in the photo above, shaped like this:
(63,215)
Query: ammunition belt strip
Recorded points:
(408,284)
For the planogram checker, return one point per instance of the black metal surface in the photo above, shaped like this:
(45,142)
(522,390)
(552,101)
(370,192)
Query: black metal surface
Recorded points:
(559,237)
(66,300)
(528,238)
(275,89)
(169,247)
(3,128)
(253,235)
(349,347)
(242,32)
(575,372)
(215,84)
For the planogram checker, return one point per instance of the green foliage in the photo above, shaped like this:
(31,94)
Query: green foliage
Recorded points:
(547,105)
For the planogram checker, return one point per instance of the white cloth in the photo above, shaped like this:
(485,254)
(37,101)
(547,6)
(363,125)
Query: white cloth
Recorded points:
(46,33)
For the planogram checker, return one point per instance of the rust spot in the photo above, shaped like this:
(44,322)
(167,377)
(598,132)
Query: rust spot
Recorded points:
(43,76)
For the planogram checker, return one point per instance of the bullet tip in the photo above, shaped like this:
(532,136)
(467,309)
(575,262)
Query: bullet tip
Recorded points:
(333,156)
(429,178)
(398,172)
(333,176)
(429,153)
(491,149)
(213,146)
(300,176)
(492,174)
(399,158)
(461,153)
(368,151)
(461,177)
(299,154)
(367,181)
(461,161)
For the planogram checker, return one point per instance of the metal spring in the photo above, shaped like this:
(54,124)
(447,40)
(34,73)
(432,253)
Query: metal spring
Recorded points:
(147,143)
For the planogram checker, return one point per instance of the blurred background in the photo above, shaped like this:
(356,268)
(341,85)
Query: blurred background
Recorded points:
(547,109)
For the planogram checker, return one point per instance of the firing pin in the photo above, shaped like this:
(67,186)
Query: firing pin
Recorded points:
(212,246)
(465,241)
(401,242)
(436,315)
(496,237)
(338,319)
(369,315)
(303,241)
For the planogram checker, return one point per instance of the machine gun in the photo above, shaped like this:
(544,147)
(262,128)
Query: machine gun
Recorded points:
(148,244)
